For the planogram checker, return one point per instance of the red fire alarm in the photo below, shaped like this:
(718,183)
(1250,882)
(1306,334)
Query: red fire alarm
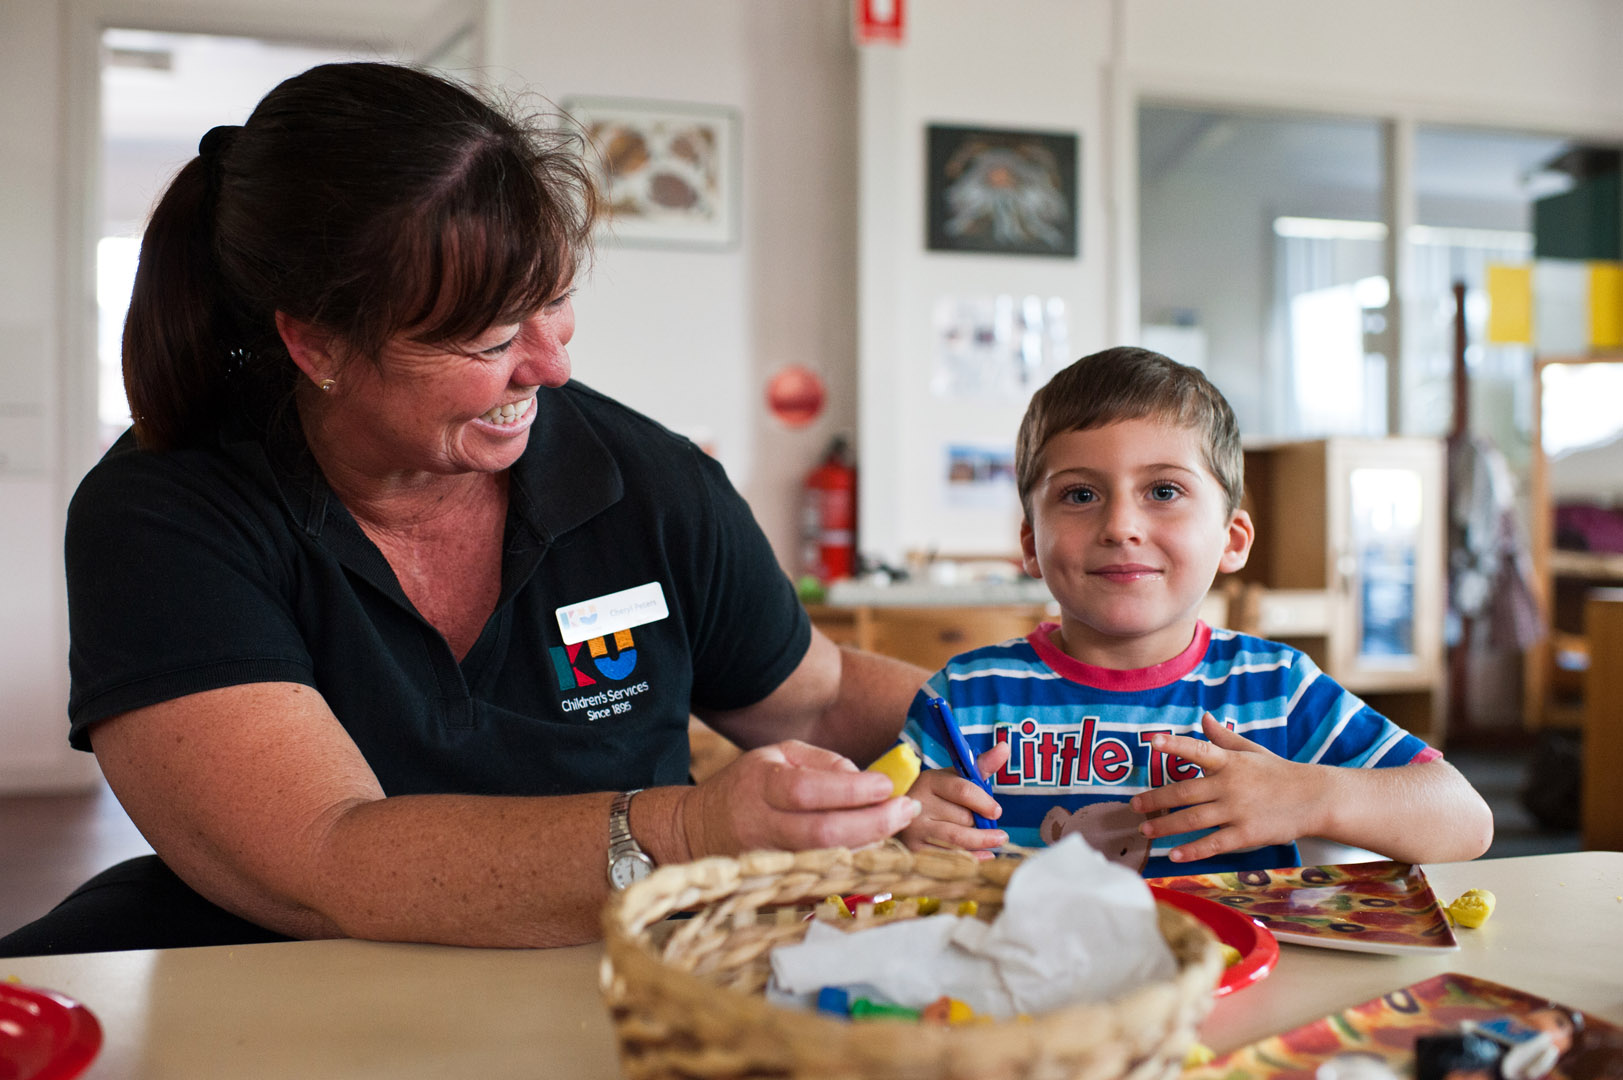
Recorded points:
(879,22)
(795,395)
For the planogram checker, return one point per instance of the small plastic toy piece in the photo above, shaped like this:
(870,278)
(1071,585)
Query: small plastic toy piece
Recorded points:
(1472,908)
(928,905)
(1533,1043)
(864,1009)
(1456,1054)
(834,1000)
(1231,955)
(900,763)
(947,1010)
(968,907)
(837,902)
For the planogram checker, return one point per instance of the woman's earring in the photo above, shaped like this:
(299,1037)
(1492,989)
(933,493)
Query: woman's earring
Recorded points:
(326,385)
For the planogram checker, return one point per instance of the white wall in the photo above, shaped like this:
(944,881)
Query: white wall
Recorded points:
(33,631)
(1084,66)
(1477,59)
(968,64)
(691,336)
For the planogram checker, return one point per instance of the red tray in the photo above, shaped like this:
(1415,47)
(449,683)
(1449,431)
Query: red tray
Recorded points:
(1259,951)
(44,1035)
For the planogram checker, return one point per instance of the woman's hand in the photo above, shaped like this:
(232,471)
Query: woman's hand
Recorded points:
(1248,794)
(792,796)
(950,804)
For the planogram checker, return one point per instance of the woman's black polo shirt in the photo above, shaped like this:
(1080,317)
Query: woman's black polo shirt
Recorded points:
(191,570)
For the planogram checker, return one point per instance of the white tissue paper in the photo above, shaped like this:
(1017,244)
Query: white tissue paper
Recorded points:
(1074,927)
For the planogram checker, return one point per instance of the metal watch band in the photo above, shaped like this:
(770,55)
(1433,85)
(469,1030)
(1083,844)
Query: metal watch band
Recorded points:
(620,821)
(628,862)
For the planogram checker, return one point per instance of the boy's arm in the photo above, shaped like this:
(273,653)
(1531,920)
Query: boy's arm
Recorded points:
(1412,813)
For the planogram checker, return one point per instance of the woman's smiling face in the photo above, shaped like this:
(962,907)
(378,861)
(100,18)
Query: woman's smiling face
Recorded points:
(451,408)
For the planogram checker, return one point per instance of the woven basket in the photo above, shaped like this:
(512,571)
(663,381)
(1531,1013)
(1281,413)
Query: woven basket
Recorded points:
(685,995)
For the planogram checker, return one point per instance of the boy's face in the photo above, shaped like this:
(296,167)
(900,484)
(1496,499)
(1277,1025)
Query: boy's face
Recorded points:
(1128,528)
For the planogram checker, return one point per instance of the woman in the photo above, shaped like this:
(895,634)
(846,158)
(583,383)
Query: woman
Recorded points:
(376,616)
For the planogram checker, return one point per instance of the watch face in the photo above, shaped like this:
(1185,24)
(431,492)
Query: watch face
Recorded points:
(628,868)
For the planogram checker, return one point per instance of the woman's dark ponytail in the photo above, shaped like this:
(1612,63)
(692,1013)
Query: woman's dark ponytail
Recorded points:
(174,362)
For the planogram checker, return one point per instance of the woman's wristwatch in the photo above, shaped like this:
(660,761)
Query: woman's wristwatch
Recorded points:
(627,861)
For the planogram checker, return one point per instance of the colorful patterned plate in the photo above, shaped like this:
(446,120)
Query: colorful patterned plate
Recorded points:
(1258,950)
(1387,1028)
(1384,907)
(44,1035)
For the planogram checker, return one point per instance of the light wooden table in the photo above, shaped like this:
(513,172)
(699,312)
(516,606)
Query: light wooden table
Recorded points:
(356,1009)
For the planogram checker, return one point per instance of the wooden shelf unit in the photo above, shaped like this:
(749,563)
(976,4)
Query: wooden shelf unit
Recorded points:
(1320,589)
(1552,696)
(1602,813)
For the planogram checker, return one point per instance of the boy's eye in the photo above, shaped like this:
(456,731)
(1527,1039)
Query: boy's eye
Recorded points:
(1077,495)
(1165,492)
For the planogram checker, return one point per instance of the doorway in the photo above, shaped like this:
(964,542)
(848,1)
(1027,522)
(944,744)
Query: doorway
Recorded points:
(159,93)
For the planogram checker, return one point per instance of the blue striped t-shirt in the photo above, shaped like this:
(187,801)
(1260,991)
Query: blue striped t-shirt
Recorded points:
(1080,734)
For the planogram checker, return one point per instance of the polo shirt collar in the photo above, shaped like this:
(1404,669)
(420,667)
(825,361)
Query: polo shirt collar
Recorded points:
(565,477)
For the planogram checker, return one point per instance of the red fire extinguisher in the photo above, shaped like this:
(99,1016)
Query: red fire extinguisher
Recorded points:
(828,524)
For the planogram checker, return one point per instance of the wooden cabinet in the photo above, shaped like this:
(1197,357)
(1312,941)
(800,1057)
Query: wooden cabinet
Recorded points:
(1553,672)
(1602,814)
(1350,534)
(928,636)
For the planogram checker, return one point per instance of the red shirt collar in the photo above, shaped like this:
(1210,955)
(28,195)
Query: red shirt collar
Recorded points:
(1102,678)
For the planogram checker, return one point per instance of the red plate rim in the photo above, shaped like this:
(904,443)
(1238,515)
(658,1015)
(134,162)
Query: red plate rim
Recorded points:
(1258,948)
(75,1031)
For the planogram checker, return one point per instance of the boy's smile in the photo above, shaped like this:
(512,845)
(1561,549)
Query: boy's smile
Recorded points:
(1128,528)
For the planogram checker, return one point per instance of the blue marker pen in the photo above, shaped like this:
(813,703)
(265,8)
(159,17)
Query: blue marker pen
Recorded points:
(962,756)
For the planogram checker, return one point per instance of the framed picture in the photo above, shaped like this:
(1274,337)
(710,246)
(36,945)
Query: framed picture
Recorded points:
(669,172)
(1004,192)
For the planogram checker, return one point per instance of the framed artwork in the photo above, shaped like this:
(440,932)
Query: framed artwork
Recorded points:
(1003,192)
(669,172)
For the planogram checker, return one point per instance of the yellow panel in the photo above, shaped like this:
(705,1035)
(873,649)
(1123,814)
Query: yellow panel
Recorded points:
(1510,304)
(1605,304)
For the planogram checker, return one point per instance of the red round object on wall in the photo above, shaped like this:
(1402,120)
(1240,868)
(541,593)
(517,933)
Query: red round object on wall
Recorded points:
(796,396)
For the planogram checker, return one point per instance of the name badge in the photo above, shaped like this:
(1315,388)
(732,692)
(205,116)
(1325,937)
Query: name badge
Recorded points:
(612,613)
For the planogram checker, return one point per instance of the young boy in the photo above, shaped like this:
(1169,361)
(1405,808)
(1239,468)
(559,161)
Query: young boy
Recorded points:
(1172,747)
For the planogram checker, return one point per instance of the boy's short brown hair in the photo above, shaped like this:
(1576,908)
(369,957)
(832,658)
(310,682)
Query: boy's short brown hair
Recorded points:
(1127,383)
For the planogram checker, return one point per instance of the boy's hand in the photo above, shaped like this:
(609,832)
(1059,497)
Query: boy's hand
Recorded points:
(950,804)
(1249,794)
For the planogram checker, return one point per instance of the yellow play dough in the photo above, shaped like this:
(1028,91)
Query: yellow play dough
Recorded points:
(901,764)
(1198,1054)
(1472,908)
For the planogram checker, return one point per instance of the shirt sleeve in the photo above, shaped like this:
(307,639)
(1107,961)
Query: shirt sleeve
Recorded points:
(751,630)
(172,588)
(917,733)
(1342,729)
